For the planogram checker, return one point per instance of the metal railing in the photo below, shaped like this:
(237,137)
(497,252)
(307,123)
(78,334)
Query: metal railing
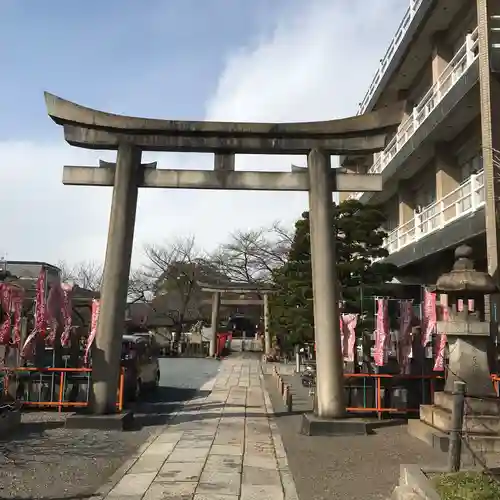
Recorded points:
(389,54)
(458,66)
(467,198)
(61,388)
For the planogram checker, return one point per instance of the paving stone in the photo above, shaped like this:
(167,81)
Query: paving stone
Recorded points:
(226,449)
(170,491)
(147,463)
(264,439)
(249,492)
(258,447)
(262,460)
(188,455)
(119,497)
(180,471)
(224,462)
(132,484)
(199,435)
(214,496)
(194,443)
(225,483)
(230,439)
(169,437)
(159,448)
(261,477)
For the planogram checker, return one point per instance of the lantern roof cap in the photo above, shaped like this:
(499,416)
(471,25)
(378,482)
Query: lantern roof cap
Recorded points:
(464,277)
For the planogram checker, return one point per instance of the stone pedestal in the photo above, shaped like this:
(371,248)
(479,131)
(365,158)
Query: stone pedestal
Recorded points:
(481,422)
(468,354)
(468,337)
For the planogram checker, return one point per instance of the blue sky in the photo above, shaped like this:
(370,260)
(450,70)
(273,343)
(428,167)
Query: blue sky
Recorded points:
(114,54)
(267,60)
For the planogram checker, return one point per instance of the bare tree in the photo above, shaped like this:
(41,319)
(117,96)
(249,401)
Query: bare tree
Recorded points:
(171,274)
(85,274)
(252,256)
(89,275)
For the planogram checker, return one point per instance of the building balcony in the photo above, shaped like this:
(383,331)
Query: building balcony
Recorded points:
(412,18)
(467,199)
(432,109)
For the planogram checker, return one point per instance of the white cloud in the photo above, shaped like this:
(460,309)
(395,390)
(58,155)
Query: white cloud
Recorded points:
(316,65)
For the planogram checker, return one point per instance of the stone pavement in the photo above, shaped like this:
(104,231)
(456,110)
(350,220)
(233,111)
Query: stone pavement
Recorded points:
(225,446)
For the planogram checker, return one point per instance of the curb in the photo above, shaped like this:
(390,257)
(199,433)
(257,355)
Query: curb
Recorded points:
(287,481)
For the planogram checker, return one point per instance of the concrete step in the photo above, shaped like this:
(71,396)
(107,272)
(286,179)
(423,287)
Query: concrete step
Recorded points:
(483,406)
(440,418)
(486,448)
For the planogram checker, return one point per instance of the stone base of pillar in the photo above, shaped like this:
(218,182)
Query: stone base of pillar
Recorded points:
(120,421)
(316,426)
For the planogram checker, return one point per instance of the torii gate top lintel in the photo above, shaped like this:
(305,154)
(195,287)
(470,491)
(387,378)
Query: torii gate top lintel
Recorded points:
(241,288)
(93,129)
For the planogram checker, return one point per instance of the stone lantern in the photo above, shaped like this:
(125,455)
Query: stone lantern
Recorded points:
(468,337)
(467,332)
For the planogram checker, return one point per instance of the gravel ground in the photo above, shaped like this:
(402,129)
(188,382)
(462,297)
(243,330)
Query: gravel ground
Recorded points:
(347,468)
(43,460)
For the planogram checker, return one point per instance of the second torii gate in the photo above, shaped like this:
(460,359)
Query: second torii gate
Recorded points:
(130,136)
(237,288)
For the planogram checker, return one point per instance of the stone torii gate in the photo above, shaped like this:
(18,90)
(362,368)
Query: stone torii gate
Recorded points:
(130,136)
(238,288)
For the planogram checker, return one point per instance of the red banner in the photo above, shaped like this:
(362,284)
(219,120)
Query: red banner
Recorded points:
(6,294)
(428,317)
(382,333)
(405,336)
(93,328)
(40,313)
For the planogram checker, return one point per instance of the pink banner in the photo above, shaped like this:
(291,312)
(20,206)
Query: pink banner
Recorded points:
(349,327)
(67,313)
(382,333)
(40,313)
(442,340)
(343,336)
(405,336)
(54,306)
(93,329)
(428,317)
(17,303)
(6,293)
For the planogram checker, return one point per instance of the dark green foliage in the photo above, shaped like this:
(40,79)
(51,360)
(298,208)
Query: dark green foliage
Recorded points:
(359,238)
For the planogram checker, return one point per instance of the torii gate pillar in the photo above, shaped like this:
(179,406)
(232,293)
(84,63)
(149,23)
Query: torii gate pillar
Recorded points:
(329,380)
(107,347)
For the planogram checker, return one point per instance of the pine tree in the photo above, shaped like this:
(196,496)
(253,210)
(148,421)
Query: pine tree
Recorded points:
(359,239)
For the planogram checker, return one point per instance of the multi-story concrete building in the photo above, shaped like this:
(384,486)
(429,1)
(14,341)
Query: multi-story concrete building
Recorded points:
(438,170)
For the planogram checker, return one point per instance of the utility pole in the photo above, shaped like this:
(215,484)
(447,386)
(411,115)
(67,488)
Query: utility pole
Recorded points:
(488,16)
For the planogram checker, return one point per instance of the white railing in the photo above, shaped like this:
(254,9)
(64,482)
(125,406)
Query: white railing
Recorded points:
(462,60)
(393,46)
(466,199)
